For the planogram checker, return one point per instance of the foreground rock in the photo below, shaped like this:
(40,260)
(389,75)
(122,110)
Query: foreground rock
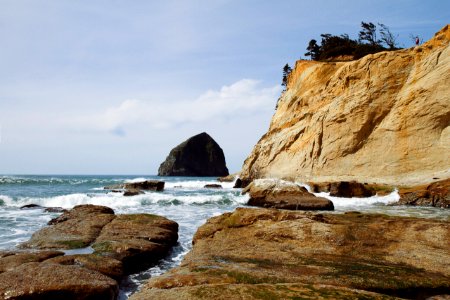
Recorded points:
(436,194)
(273,254)
(122,244)
(200,155)
(53,281)
(383,118)
(137,240)
(284,195)
(76,228)
(11,260)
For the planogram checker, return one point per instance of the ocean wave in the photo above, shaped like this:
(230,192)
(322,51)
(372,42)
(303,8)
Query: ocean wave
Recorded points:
(117,200)
(340,202)
(35,180)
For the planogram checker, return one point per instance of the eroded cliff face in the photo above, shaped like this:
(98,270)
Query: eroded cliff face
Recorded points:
(383,118)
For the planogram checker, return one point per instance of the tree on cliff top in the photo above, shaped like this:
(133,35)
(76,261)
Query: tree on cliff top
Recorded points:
(286,71)
(369,33)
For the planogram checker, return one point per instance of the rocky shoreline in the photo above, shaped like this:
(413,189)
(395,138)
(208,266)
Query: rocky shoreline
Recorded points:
(278,254)
(116,245)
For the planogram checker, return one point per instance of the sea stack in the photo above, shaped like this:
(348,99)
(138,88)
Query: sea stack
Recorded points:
(199,155)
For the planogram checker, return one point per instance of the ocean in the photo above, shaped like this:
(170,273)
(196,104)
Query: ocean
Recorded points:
(184,200)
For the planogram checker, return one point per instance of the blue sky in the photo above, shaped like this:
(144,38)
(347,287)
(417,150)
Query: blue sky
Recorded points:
(109,87)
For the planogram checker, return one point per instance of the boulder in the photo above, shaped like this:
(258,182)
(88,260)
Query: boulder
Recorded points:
(137,240)
(199,155)
(279,254)
(11,260)
(238,184)
(228,178)
(54,282)
(76,228)
(280,194)
(436,194)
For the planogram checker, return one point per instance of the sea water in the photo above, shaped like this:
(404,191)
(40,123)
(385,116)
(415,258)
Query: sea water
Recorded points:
(184,200)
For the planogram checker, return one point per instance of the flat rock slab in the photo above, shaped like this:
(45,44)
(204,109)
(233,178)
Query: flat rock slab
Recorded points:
(76,228)
(53,281)
(271,193)
(258,292)
(393,256)
(107,266)
(137,239)
(11,260)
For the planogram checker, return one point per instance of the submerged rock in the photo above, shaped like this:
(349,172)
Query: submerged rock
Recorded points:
(213,186)
(284,195)
(200,155)
(147,185)
(286,255)
(132,192)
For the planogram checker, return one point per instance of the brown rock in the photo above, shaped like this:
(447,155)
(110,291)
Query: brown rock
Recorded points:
(393,256)
(436,194)
(76,228)
(54,282)
(383,118)
(349,189)
(284,195)
(228,178)
(138,240)
(10,261)
(105,265)
(256,292)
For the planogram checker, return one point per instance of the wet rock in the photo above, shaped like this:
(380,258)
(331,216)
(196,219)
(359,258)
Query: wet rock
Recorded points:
(11,260)
(30,206)
(132,192)
(257,292)
(213,186)
(55,209)
(138,240)
(200,155)
(349,189)
(436,194)
(284,195)
(53,281)
(76,228)
(148,185)
(105,265)
(238,184)
(289,254)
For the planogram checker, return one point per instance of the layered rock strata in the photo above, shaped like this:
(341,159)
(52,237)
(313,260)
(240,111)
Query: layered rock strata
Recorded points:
(384,118)
(273,254)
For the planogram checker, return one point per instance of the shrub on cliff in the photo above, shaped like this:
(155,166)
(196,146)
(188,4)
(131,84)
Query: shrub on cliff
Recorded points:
(338,46)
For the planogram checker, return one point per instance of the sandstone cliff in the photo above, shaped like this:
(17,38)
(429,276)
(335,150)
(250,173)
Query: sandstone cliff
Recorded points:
(383,118)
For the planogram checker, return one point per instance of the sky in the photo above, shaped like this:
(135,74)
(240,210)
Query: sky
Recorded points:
(111,86)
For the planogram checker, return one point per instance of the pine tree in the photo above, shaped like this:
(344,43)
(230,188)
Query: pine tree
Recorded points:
(286,71)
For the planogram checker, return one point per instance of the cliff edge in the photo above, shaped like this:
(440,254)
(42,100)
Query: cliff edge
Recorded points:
(382,118)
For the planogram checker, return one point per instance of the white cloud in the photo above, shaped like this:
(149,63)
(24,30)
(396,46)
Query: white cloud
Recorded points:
(243,98)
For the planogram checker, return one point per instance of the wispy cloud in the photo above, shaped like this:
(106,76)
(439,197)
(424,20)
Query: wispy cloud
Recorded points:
(243,98)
